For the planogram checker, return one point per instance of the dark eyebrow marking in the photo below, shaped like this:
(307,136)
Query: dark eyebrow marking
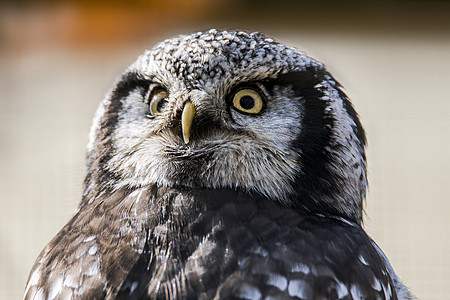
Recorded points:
(299,80)
(128,83)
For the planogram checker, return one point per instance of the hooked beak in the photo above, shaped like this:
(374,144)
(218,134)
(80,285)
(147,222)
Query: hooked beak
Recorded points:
(186,120)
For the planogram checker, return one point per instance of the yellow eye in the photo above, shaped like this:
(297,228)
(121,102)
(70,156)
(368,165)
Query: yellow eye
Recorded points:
(158,100)
(248,101)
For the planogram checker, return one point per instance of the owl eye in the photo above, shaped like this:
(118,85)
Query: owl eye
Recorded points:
(157,99)
(248,101)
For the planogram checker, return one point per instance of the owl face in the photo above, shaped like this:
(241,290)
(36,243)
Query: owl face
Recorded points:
(231,110)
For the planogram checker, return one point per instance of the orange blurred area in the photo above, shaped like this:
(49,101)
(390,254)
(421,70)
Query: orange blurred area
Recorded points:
(82,23)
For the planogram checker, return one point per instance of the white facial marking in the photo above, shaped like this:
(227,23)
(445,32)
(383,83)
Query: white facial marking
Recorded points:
(345,147)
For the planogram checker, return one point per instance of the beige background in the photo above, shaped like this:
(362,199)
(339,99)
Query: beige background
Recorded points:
(57,62)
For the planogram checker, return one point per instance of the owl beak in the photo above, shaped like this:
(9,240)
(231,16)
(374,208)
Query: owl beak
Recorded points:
(186,120)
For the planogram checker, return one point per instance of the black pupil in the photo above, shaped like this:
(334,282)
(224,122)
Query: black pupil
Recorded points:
(247,102)
(161,103)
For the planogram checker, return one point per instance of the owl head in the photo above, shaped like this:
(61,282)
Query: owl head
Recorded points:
(231,109)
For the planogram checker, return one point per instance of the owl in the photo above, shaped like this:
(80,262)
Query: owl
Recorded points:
(221,165)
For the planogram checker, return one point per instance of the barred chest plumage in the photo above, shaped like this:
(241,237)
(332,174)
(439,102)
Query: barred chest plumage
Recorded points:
(177,243)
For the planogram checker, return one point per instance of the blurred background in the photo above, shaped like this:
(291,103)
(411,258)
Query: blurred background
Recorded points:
(59,58)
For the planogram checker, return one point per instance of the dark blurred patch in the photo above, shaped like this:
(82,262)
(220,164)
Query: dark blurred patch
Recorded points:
(26,24)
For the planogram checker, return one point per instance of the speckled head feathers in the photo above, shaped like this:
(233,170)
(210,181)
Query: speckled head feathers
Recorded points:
(305,148)
(203,58)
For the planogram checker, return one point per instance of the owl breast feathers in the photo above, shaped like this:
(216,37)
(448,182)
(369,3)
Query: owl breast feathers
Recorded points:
(221,165)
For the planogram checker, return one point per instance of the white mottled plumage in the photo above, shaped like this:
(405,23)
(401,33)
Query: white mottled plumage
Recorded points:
(254,192)
(278,281)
